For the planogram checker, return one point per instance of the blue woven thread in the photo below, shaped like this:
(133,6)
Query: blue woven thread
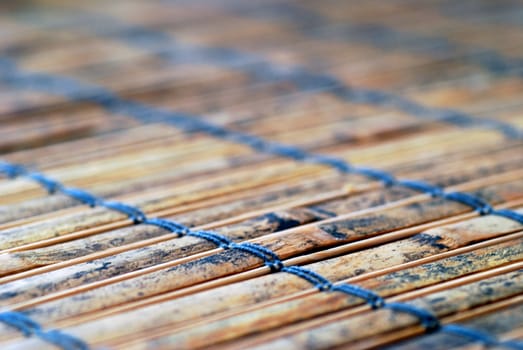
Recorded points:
(270,259)
(333,162)
(82,196)
(376,97)
(479,336)
(63,340)
(12,170)
(20,321)
(509,214)
(168,225)
(426,318)
(373,299)
(314,278)
(135,214)
(28,327)
(49,184)
(218,240)
(474,202)
(421,186)
(380,175)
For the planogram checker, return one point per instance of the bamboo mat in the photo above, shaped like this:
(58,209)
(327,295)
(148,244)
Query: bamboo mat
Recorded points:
(261,174)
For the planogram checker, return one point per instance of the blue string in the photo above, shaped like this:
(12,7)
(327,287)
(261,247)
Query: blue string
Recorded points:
(334,162)
(219,240)
(421,186)
(12,170)
(20,321)
(49,184)
(373,299)
(426,318)
(168,225)
(28,327)
(480,336)
(383,176)
(474,202)
(314,278)
(270,259)
(509,214)
(82,196)
(135,214)
(63,340)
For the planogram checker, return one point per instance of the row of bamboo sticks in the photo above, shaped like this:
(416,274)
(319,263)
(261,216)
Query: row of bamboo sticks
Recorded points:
(94,274)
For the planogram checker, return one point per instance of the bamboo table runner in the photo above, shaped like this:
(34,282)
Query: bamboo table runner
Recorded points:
(261,175)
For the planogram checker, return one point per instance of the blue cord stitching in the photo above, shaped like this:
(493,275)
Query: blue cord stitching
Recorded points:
(426,318)
(270,259)
(28,327)
(219,240)
(49,184)
(168,225)
(63,340)
(421,186)
(12,170)
(383,176)
(509,214)
(20,321)
(480,336)
(314,278)
(82,196)
(135,214)
(373,299)
(474,202)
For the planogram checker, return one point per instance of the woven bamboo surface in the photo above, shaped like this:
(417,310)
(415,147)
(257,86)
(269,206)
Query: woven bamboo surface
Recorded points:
(261,174)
